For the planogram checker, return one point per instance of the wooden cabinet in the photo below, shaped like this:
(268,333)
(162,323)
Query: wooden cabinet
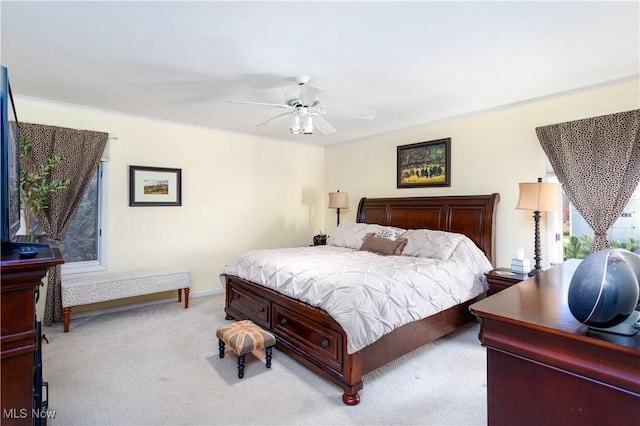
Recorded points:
(501,278)
(544,367)
(21,279)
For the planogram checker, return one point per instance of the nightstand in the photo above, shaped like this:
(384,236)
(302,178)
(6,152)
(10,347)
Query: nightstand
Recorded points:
(501,278)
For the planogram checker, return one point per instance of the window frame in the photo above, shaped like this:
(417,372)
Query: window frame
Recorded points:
(554,234)
(100,264)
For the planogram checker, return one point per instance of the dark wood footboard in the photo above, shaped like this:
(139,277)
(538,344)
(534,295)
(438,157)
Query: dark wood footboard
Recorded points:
(306,333)
(317,341)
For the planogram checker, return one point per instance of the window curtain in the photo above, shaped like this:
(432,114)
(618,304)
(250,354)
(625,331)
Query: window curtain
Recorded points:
(597,161)
(82,150)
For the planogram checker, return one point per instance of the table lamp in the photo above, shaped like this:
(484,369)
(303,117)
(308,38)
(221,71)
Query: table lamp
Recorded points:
(539,197)
(338,200)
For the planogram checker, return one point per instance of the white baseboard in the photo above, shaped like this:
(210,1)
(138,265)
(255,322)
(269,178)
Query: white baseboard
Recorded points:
(200,293)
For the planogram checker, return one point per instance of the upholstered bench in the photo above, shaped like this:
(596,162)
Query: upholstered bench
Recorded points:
(101,288)
(244,337)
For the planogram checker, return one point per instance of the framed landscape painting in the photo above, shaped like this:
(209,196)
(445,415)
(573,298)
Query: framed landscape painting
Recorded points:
(154,186)
(424,164)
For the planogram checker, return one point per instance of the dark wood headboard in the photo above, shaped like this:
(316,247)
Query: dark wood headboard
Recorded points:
(471,215)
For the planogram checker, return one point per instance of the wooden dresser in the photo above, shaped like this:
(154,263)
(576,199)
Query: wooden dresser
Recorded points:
(544,367)
(21,278)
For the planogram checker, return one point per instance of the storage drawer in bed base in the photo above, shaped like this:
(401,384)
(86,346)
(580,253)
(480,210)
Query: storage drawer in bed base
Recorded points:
(309,336)
(313,338)
(248,305)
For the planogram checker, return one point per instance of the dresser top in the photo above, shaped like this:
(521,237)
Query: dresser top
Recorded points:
(541,303)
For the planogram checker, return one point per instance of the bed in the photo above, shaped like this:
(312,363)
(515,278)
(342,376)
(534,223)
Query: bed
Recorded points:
(319,341)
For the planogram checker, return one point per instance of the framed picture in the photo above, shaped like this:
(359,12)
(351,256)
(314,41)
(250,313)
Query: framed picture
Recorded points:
(425,164)
(154,186)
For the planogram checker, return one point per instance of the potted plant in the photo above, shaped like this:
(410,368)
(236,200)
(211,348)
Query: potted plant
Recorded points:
(320,239)
(35,185)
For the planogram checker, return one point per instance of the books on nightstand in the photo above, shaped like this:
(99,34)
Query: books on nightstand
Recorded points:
(520,266)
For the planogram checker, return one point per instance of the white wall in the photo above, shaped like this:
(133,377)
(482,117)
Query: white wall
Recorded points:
(239,192)
(242,192)
(491,152)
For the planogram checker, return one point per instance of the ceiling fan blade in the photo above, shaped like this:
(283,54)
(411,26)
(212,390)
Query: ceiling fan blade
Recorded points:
(259,103)
(264,123)
(323,125)
(368,114)
(309,95)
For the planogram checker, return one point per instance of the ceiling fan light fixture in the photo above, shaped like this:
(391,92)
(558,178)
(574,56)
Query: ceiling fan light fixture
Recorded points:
(295,124)
(306,114)
(307,125)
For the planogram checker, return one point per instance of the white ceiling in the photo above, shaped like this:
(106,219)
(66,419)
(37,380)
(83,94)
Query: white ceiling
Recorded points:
(413,62)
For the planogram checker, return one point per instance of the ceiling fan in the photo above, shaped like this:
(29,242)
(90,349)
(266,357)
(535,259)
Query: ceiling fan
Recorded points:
(305,111)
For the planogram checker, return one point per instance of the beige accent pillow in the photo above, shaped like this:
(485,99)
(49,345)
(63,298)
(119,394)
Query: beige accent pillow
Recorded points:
(430,243)
(383,246)
(350,234)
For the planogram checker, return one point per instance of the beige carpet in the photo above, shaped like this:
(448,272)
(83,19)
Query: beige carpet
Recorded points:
(159,365)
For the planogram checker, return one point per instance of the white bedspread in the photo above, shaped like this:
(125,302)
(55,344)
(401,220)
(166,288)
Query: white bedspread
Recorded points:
(367,294)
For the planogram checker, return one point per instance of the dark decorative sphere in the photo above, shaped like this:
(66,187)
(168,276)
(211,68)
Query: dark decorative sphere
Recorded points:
(604,288)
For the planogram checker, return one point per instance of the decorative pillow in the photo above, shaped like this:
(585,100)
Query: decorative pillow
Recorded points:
(390,232)
(350,234)
(383,246)
(430,243)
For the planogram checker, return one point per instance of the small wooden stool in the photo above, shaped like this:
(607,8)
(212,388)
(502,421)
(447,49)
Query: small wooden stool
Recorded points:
(244,337)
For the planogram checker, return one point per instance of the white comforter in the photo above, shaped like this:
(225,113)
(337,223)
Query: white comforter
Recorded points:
(368,294)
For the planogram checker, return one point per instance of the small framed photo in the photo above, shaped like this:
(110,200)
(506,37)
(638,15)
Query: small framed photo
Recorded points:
(424,164)
(154,186)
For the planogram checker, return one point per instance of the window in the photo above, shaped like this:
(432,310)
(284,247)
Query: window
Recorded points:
(84,243)
(578,236)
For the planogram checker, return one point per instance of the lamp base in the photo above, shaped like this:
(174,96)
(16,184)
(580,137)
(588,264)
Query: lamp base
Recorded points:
(534,272)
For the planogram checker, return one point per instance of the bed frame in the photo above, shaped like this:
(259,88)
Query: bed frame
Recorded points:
(317,341)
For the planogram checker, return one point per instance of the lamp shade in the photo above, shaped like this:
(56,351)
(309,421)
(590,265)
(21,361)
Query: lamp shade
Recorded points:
(539,196)
(338,200)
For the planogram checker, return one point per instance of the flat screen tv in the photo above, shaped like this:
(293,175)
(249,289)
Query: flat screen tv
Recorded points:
(9,164)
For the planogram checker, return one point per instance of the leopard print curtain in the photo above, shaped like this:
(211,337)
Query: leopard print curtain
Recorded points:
(597,161)
(82,150)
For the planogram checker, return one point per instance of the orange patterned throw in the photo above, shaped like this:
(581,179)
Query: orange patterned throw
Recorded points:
(244,337)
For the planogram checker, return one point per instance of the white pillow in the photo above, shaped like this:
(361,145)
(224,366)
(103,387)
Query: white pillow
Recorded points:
(351,234)
(430,243)
(469,252)
(390,233)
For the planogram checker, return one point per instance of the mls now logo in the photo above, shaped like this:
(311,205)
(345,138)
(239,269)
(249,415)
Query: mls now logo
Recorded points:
(23,413)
